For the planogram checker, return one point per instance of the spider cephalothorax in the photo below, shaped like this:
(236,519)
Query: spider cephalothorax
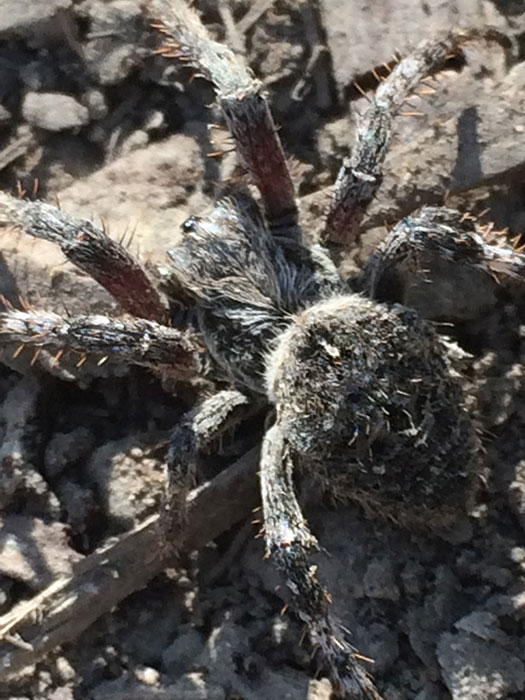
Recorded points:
(363,396)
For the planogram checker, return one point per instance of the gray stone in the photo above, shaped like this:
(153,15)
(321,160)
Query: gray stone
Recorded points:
(379,643)
(516,493)
(33,551)
(114,51)
(430,692)
(181,654)
(130,482)
(96,103)
(193,686)
(5,115)
(39,76)
(379,581)
(375,31)
(484,625)
(20,483)
(21,16)
(54,111)
(66,448)
(465,137)
(473,669)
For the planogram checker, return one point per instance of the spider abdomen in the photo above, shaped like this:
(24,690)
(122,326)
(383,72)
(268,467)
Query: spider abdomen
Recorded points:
(371,405)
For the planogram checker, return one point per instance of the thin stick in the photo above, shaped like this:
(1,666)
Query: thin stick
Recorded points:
(67,607)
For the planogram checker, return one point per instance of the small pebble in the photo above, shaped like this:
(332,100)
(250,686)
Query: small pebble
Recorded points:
(147,675)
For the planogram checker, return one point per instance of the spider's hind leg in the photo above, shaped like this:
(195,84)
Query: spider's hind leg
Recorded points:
(437,262)
(289,542)
(361,175)
(90,248)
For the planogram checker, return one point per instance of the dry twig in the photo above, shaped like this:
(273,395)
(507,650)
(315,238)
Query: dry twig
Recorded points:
(67,607)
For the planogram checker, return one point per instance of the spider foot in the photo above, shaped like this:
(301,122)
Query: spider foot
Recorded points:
(349,678)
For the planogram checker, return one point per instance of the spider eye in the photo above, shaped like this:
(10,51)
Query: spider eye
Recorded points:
(190,224)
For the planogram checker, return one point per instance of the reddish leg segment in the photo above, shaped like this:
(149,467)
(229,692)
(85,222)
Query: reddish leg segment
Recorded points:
(90,249)
(243,102)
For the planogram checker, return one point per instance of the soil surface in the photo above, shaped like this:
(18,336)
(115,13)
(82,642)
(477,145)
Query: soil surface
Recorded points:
(94,119)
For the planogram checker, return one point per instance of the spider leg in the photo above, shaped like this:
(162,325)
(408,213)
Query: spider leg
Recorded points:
(90,249)
(243,102)
(197,430)
(362,173)
(437,262)
(289,542)
(168,351)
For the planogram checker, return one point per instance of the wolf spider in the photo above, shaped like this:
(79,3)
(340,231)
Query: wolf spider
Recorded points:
(362,394)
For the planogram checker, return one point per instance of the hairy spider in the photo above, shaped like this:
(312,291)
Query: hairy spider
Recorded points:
(362,394)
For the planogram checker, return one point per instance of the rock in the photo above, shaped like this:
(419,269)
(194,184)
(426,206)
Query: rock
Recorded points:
(63,693)
(23,16)
(193,686)
(375,31)
(33,551)
(5,115)
(20,483)
(79,503)
(412,577)
(430,692)
(152,190)
(516,493)
(463,139)
(64,449)
(147,675)
(319,690)
(379,581)
(285,684)
(484,625)
(381,644)
(180,656)
(114,51)
(473,669)
(64,669)
(54,111)
(96,103)
(6,589)
(39,76)
(130,483)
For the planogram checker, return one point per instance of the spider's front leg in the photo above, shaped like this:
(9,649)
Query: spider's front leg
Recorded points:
(361,175)
(289,542)
(167,351)
(243,103)
(437,262)
(90,248)
(197,431)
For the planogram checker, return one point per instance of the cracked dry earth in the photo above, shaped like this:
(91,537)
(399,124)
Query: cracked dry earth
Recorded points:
(117,133)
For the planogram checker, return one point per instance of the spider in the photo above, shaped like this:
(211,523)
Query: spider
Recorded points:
(361,393)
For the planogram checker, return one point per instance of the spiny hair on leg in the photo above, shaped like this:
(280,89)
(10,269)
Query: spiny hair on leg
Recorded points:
(140,342)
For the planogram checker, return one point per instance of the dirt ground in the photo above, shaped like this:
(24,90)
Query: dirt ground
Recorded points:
(118,134)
